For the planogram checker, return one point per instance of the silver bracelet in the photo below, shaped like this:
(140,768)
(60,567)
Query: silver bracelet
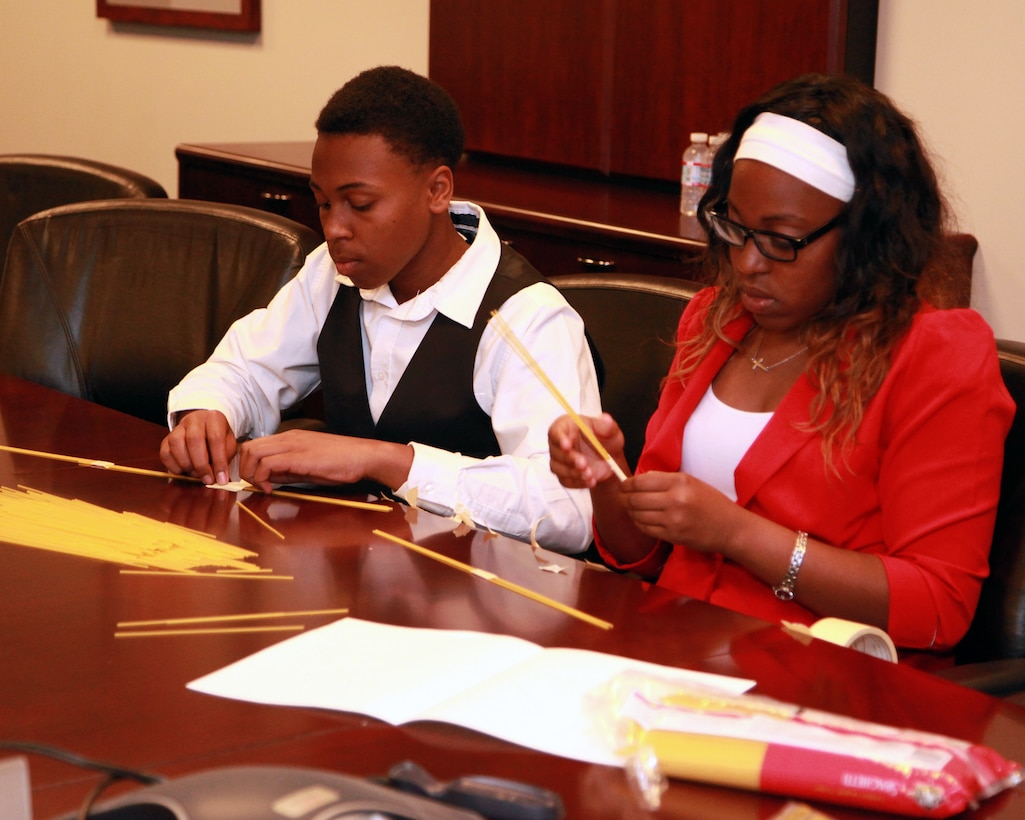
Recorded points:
(785,590)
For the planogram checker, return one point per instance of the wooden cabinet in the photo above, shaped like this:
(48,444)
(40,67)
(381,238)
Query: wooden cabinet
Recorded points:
(577,113)
(271,176)
(563,222)
(569,223)
(617,86)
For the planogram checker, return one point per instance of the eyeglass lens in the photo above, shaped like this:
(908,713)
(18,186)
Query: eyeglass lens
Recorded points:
(778,248)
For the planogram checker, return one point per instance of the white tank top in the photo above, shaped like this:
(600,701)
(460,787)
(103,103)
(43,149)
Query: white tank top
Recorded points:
(716,438)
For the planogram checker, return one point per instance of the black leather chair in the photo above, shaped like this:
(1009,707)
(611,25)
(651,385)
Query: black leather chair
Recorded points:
(991,657)
(30,183)
(632,321)
(114,301)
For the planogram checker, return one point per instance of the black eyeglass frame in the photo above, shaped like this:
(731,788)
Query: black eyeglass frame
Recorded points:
(795,243)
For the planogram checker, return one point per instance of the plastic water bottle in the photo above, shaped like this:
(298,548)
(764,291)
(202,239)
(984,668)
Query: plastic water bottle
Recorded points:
(695,174)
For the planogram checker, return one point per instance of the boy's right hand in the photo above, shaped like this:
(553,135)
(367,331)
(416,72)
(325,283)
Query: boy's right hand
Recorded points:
(201,444)
(573,460)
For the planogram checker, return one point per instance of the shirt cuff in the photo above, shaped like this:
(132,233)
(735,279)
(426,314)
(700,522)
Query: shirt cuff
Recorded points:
(504,494)
(650,566)
(434,474)
(177,407)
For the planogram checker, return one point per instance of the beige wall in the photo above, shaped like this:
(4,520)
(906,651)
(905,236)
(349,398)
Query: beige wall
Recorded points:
(958,68)
(71,83)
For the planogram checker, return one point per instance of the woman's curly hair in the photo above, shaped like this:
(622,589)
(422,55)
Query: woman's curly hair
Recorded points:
(892,227)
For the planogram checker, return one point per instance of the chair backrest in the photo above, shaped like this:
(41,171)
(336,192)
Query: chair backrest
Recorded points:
(30,183)
(998,629)
(115,300)
(632,321)
(946,281)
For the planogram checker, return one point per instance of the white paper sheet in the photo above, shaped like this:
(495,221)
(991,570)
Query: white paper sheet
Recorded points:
(500,685)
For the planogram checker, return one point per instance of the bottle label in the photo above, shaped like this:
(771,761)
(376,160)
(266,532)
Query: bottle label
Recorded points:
(696,174)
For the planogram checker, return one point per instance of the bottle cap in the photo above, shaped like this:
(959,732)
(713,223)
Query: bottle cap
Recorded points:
(698,136)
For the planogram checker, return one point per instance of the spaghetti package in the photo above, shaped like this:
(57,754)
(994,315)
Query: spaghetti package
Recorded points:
(756,743)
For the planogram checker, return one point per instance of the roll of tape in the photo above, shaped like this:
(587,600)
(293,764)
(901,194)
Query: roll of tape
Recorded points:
(868,639)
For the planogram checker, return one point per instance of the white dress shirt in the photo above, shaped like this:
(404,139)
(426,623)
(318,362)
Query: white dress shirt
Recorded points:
(268,361)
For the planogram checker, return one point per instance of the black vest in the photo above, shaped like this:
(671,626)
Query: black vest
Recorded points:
(433,402)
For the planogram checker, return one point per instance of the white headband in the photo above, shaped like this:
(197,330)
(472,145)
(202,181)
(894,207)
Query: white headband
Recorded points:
(801,151)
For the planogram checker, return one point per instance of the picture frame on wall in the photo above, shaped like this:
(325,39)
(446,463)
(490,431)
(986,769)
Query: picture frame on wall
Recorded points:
(226,15)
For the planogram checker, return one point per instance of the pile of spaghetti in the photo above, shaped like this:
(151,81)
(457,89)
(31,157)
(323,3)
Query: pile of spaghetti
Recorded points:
(32,518)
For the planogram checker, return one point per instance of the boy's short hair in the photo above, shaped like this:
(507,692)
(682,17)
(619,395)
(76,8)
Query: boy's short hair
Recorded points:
(415,115)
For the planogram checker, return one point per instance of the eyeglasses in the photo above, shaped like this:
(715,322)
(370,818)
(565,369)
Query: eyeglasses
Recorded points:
(776,246)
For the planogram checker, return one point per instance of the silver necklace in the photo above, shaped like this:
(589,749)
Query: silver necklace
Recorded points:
(758,362)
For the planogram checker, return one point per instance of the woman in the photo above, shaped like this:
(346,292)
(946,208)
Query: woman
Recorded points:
(825,442)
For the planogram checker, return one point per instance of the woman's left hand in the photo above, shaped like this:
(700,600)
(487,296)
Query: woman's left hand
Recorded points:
(680,509)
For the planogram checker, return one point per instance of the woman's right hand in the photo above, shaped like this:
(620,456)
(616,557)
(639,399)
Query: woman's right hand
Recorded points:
(574,461)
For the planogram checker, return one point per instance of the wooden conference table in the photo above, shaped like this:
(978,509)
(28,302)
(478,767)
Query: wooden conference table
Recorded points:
(67,682)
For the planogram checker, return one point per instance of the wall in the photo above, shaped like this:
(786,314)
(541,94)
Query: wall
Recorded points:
(128,94)
(75,84)
(958,68)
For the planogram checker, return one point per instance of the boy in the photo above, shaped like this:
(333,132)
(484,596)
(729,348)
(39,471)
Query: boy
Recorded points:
(389,317)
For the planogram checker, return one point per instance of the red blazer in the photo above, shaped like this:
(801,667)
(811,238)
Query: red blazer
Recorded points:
(920,491)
